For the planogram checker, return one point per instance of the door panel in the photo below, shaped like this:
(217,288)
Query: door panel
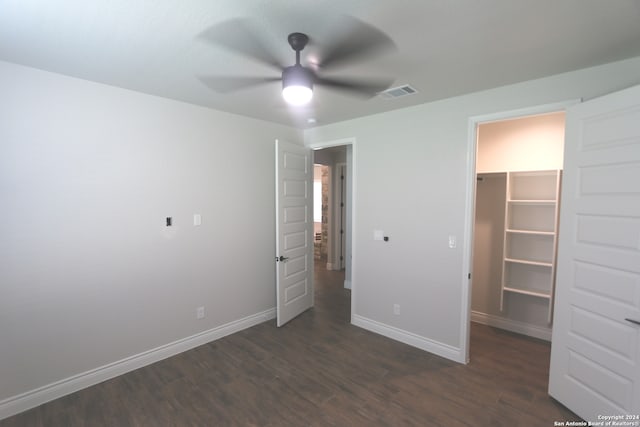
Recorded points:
(294,228)
(595,355)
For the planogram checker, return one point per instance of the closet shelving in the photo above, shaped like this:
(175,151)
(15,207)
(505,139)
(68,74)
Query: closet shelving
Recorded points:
(530,235)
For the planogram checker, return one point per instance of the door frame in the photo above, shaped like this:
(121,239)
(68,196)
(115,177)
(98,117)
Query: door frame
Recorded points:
(470,204)
(351,209)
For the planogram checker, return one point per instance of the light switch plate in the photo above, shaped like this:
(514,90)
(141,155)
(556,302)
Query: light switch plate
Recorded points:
(378,235)
(452,242)
(197,219)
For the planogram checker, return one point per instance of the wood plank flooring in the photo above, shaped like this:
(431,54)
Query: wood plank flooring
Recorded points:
(319,370)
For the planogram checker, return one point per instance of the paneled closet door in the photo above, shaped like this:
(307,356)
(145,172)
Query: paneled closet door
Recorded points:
(595,356)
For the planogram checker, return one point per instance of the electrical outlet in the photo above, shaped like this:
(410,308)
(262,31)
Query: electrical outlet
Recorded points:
(396,309)
(200,313)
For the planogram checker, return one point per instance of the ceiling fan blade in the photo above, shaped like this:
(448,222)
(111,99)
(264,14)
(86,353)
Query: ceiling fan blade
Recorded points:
(238,35)
(228,84)
(359,87)
(355,41)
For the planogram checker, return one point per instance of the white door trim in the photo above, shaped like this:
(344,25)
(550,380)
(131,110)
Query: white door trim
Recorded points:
(336,143)
(469,212)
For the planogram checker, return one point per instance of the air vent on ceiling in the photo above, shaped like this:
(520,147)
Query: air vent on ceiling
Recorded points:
(398,92)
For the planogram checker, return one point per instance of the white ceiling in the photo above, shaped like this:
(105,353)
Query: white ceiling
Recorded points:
(445,47)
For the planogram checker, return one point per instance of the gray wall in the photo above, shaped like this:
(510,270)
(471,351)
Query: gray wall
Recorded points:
(412,169)
(89,273)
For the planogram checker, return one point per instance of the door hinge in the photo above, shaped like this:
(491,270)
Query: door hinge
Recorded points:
(341,231)
(469,276)
(341,257)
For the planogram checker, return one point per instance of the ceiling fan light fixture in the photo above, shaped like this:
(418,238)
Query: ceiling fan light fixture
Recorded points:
(297,95)
(297,85)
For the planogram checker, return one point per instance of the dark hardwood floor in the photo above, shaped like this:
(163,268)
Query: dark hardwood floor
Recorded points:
(319,370)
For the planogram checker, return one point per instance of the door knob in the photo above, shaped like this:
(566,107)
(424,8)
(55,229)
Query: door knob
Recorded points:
(282,258)
(637,322)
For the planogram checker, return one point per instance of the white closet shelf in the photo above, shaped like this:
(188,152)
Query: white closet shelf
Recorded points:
(532,202)
(529,262)
(536,232)
(526,292)
(530,239)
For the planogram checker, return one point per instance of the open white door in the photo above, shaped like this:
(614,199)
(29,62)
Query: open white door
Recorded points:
(294,230)
(595,354)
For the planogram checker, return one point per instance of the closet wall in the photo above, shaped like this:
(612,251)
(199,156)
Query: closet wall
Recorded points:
(532,143)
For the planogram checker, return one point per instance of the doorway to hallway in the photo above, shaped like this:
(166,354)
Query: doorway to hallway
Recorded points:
(332,302)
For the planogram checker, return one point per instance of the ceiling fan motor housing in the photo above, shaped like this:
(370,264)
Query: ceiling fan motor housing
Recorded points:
(297,75)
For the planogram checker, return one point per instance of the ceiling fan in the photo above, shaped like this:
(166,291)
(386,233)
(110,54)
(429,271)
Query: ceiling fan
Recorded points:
(358,42)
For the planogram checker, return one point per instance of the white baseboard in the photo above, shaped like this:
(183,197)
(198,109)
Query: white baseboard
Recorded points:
(512,325)
(33,398)
(347,284)
(426,344)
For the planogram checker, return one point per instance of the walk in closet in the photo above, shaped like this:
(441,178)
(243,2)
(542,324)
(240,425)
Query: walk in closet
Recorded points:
(519,176)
